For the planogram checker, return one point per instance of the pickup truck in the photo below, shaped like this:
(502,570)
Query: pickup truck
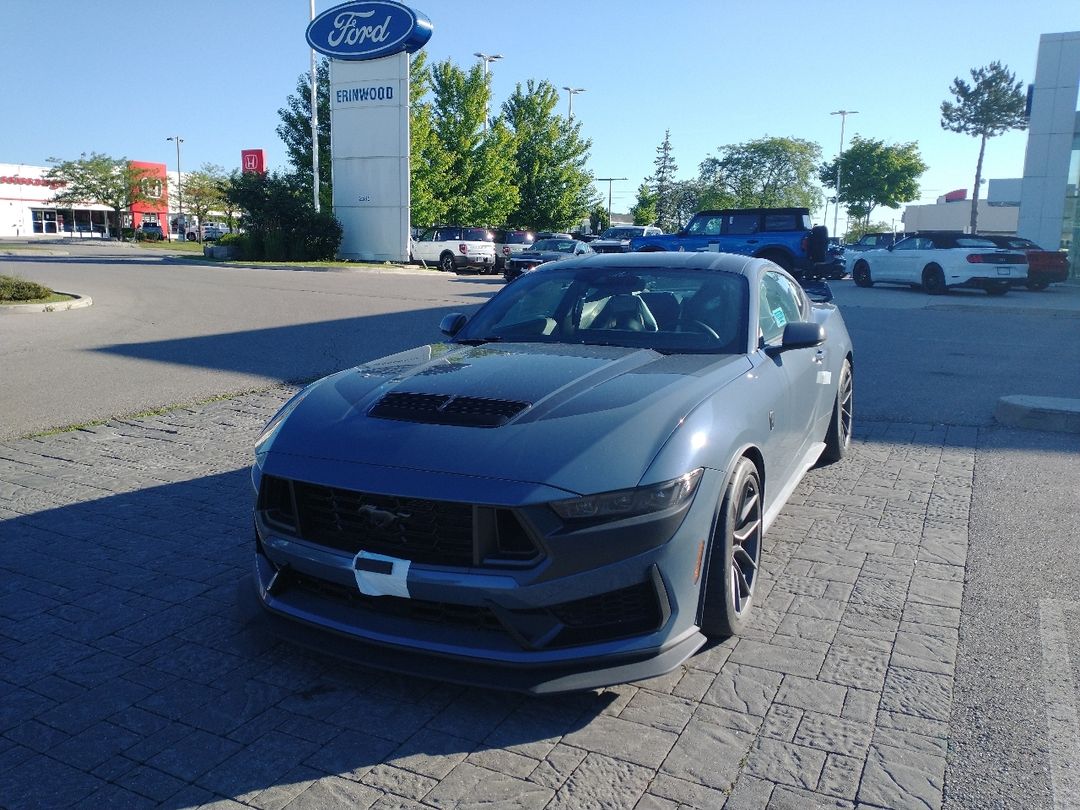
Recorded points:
(785,236)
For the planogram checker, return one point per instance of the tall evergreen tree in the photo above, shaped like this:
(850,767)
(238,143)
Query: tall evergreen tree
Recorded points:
(549,161)
(295,130)
(991,105)
(663,185)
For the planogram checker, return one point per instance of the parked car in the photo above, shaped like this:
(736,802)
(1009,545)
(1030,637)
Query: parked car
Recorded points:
(569,489)
(151,231)
(544,250)
(939,260)
(209,231)
(616,239)
(784,236)
(1045,267)
(508,242)
(452,247)
(873,241)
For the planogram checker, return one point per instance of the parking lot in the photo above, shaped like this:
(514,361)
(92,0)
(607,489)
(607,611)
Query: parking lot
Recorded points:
(915,646)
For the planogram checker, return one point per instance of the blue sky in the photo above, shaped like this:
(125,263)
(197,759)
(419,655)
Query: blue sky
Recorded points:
(119,77)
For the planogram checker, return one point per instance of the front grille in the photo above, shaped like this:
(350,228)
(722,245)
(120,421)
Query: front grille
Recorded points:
(467,617)
(610,249)
(423,531)
(438,409)
(420,530)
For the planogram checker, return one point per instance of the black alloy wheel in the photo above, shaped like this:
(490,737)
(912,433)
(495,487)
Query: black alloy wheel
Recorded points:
(734,555)
(933,280)
(861,274)
(446,262)
(838,436)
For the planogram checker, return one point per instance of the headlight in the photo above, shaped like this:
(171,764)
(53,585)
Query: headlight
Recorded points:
(279,417)
(630,502)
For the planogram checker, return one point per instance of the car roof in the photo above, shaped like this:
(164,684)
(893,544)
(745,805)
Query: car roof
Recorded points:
(726,262)
(712,212)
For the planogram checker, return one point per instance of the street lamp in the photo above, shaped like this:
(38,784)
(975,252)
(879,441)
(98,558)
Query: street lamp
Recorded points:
(180,227)
(609,181)
(487,60)
(573,91)
(839,160)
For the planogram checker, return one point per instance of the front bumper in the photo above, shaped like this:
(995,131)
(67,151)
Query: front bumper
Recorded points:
(576,618)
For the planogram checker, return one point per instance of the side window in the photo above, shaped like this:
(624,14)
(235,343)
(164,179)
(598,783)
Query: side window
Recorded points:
(782,222)
(777,307)
(428,235)
(907,244)
(741,223)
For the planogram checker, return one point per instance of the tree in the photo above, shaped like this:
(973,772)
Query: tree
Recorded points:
(471,169)
(874,173)
(598,219)
(991,105)
(644,209)
(857,229)
(662,184)
(768,172)
(295,130)
(428,161)
(98,178)
(204,191)
(549,158)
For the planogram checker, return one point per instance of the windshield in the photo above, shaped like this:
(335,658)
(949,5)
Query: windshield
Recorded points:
(555,245)
(669,310)
(622,233)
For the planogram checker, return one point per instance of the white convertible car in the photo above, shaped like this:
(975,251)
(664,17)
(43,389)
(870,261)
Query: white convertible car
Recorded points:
(938,260)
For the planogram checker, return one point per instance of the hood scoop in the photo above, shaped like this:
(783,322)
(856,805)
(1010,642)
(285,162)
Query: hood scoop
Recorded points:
(440,409)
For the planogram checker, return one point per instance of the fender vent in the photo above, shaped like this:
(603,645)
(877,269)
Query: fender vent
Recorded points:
(438,409)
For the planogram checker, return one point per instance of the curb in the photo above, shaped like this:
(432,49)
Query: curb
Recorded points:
(80,302)
(1054,414)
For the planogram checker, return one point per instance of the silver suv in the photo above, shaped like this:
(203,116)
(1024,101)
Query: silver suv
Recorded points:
(452,247)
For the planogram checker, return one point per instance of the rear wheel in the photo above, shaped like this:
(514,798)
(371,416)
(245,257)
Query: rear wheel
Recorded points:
(1038,286)
(997,288)
(446,262)
(861,274)
(838,436)
(933,280)
(734,555)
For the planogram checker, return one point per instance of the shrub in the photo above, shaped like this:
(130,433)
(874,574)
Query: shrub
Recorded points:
(19,289)
(236,239)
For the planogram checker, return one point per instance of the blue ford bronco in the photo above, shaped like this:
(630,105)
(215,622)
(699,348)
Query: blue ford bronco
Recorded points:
(785,236)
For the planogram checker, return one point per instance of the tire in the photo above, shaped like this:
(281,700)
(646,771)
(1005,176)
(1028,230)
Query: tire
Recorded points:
(861,274)
(446,262)
(933,280)
(1037,286)
(734,555)
(780,258)
(996,289)
(819,243)
(838,436)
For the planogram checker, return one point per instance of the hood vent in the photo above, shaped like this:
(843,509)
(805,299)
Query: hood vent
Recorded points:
(439,409)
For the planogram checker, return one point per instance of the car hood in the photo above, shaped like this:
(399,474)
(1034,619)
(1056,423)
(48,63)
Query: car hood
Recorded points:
(589,412)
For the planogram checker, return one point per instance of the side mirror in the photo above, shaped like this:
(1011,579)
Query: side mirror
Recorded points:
(451,324)
(798,335)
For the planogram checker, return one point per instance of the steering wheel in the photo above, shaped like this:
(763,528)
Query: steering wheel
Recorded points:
(700,326)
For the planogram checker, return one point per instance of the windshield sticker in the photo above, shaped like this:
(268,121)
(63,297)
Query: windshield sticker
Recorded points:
(778,316)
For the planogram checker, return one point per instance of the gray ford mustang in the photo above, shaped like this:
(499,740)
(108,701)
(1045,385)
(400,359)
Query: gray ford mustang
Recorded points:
(572,492)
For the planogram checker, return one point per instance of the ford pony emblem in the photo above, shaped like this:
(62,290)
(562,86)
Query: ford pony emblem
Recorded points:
(368,30)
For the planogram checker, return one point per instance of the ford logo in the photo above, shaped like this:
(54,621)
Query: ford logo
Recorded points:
(368,30)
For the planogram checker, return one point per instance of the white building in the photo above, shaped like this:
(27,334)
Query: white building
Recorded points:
(998,213)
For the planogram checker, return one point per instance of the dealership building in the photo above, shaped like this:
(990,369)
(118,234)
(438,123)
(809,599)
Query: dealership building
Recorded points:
(26,207)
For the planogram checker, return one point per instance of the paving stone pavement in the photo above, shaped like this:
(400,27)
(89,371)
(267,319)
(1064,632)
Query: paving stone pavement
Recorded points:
(126,679)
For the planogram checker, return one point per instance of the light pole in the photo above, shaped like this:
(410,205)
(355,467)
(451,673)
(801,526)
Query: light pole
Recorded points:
(487,59)
(609,181)
(839,160)
(180,226)
(573,91)
(314,122)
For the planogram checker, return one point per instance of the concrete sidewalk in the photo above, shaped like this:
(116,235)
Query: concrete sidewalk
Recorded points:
(125,679)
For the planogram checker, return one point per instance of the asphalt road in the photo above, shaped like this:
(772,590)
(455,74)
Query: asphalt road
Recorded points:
(163,331)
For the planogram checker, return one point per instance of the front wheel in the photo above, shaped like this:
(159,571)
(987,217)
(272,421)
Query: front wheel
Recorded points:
(933,280)
(838,436)
(861,275)
(734,555)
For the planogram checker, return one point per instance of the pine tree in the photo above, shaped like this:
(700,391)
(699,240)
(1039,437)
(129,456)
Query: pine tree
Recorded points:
(663,185)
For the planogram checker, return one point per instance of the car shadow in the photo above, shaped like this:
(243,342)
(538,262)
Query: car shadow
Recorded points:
(126,666)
